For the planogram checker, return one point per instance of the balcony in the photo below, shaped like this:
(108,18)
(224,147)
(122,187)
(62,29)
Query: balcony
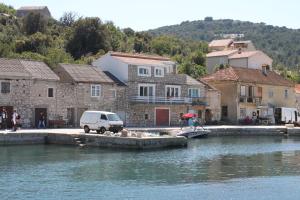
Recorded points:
(169,100)
(199,101)
(250,99)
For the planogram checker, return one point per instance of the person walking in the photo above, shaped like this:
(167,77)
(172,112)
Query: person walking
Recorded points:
(195,123)
(4,118)
(42,121)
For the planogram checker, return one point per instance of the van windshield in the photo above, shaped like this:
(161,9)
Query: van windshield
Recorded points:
(113,117)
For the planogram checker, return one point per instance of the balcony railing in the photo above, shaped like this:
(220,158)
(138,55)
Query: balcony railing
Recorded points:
(250,99)
(169,100)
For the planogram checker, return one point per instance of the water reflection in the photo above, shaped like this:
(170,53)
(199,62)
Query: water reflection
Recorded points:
(209,160)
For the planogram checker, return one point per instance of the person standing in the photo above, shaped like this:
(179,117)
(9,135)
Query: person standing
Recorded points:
(4,118)
(42,121)
(14,120)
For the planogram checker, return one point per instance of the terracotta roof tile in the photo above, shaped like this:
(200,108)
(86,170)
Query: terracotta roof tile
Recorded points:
(86,73)
(220,43)
(249,76)
(244,54)
(297,88)
(141,59)
(221,53)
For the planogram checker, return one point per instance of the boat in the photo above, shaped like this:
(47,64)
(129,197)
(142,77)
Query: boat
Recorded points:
(191,132)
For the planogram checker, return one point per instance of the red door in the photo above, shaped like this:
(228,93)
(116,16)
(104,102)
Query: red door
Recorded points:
(162,117)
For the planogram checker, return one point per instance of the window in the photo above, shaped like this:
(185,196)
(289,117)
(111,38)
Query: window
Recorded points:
(250,91)
(173,91)
(103,117)
(258,92)
(114,93)
(146,90)
(194,92)
(144,71)
(95,90)
(271,93)
(5,87)
(243,113)
(286,93)
(146,116)
(243,90)
(50,92)
(159,72)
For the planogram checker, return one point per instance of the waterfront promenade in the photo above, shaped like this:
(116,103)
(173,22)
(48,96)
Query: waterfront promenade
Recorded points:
(137,139)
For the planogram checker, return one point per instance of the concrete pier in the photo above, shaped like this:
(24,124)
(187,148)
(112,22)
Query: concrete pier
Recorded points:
(75,137)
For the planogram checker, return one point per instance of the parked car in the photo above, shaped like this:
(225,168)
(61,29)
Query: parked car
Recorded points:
(100,121)
(285,115)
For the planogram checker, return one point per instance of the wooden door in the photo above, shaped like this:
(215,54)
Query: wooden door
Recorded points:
(162,117)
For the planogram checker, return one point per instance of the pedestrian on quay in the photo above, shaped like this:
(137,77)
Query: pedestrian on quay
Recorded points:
(4,118)
(42,121)
(15,119)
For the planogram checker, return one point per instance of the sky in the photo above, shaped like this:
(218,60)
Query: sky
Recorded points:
(149,14)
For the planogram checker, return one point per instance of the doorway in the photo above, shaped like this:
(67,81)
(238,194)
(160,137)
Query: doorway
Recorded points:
(9,110)
(37,113)
(162,116)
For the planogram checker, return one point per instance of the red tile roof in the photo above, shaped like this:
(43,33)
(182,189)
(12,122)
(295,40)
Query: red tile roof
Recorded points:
(244,54)
(297,88)
(221,53)
(140,59)
(249,76)
(220,43)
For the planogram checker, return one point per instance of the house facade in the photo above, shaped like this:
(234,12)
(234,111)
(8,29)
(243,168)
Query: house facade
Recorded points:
(29,87)
(252,93)
(297,94)
(237,58)
(25,10)
(155,94)
(81,88)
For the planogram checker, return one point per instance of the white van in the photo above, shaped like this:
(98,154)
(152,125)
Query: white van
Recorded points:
(100,121)
(285,115)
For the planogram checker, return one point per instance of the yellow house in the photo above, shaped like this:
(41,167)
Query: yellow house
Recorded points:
(251,93)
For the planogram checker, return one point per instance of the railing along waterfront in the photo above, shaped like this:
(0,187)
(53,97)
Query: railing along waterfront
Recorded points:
(169,100)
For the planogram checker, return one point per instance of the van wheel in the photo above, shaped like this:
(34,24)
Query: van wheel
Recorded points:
(86,129)
(102,130)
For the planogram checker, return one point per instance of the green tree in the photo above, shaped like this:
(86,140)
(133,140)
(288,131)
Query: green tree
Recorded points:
(68,19)
(34,22)
(89,35)
(7,9)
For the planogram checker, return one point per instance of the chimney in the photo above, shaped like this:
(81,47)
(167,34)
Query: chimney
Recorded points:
(265,69)
(240,51)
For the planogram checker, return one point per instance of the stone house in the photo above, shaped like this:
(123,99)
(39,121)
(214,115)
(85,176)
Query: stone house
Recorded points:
(25,10)
(230,44)
(250,93)
(30,88)
(155,94)
(237,58)
(220,45)
(297,94)
(83,87)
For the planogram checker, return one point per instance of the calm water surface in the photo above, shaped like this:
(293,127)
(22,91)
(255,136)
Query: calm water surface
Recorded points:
(210,168)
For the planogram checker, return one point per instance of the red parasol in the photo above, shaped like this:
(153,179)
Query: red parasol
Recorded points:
(189,115)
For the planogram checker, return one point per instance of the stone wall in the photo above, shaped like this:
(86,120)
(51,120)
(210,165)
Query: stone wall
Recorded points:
(77,96)
(136,114)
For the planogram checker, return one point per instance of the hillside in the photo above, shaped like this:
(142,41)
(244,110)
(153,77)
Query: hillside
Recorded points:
(75,39)
(281,43)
